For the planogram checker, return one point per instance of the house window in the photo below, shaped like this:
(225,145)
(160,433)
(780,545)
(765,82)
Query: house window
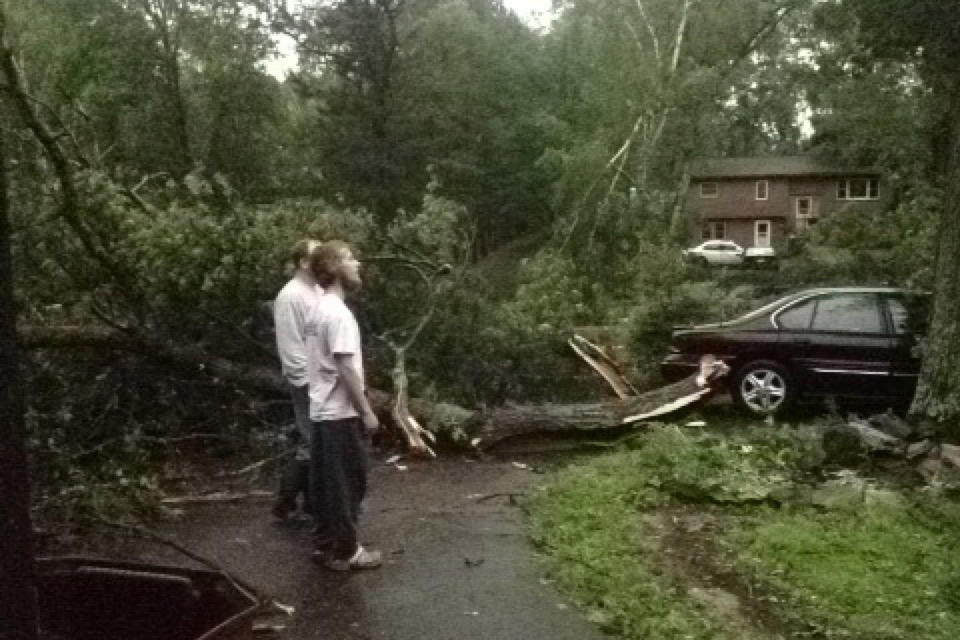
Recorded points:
(714,231)
(806,215)
(858,189)
(709,190)
(763,189)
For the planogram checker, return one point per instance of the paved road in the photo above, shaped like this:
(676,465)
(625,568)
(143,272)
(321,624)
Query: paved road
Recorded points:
(457,564)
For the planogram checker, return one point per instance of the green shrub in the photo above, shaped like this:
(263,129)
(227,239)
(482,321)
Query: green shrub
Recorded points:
(658,310)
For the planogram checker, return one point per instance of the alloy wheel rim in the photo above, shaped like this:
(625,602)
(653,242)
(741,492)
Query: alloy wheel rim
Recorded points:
(763,390)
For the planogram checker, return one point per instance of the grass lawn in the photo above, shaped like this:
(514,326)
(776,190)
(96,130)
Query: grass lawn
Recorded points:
(888,571)
(648,541)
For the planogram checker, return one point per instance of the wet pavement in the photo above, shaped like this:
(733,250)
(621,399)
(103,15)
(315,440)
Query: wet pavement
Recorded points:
(457,563)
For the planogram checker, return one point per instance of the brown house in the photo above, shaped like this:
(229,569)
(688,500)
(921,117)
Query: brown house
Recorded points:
(760,202)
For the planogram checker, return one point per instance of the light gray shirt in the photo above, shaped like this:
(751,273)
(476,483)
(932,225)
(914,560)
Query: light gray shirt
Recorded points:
(290,310)
(331,330)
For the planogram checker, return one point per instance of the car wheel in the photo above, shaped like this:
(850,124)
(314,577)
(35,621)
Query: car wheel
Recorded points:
(702,261)
(763,388)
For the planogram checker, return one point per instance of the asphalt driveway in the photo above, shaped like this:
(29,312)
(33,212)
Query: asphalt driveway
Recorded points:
(457,564)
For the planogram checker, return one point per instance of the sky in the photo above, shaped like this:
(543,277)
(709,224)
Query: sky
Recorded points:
(532,11)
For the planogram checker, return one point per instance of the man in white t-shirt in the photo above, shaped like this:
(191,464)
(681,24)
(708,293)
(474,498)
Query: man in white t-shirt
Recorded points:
(290,310)
(340,414)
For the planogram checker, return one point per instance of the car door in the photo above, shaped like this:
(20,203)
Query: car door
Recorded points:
(708,251)
(839,344)
(907,317)
(729,254)
(713,252)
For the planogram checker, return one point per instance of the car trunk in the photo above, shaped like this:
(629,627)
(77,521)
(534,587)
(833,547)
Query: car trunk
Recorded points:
(89,599)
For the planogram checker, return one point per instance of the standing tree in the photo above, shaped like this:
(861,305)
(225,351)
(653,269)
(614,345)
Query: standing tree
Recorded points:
(350,57)
(18,611)
(928,31)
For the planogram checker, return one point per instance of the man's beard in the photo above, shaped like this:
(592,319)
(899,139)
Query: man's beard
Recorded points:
(351,286)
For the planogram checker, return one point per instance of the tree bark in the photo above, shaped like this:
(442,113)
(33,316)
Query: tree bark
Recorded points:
(489,428)
(938,390)
(18,608)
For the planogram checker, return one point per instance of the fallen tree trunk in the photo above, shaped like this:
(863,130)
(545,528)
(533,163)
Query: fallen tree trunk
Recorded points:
(450,423)
(510,421)
(191,359)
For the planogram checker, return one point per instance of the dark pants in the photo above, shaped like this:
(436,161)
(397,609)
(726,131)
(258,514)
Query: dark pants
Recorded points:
(295,481)
(296,475)
(338,483)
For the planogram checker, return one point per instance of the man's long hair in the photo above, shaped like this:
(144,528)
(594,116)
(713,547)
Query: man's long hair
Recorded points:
(325,262)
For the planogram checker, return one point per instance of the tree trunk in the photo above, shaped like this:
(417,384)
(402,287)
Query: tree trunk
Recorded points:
(18,609)
(938,391)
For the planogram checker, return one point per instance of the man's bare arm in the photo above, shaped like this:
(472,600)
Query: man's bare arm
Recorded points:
(354,386)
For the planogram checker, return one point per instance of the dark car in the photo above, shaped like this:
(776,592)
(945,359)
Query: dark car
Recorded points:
(852,342)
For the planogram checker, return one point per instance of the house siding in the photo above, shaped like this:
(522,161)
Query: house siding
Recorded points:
(736,204)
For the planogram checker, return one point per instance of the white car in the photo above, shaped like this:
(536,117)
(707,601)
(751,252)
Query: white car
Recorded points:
(729,253)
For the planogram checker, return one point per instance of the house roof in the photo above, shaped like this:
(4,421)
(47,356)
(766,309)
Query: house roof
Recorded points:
(771,167)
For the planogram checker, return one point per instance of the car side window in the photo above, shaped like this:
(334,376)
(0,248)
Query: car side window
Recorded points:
(798,316)
(899,316)
(909,315)
(855,313)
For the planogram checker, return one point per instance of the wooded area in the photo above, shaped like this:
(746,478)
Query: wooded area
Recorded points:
(505,186)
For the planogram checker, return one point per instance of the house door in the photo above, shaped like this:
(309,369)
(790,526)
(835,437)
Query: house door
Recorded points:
(761,233)
(806,214)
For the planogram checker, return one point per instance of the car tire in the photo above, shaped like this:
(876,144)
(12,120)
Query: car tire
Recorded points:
(702,262)
(763,388)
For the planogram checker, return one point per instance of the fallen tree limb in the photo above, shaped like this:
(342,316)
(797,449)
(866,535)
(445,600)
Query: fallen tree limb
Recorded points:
(516,420)
(265,602)
(451,423)
(183,357)
(256,466)
(604,365)
(218,497)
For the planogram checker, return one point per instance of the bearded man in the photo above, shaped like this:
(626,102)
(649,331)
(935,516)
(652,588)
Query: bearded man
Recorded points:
(340,414)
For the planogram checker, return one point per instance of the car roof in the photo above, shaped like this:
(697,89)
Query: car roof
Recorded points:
(782,301)
(861,289)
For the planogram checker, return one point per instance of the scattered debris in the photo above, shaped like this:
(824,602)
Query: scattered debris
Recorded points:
(483,497)
(918,449)
(951,454)
(218,497)
(719,602)
(261,629)
(841,493)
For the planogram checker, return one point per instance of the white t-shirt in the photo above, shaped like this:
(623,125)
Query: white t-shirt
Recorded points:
(331,329)
(290,310)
